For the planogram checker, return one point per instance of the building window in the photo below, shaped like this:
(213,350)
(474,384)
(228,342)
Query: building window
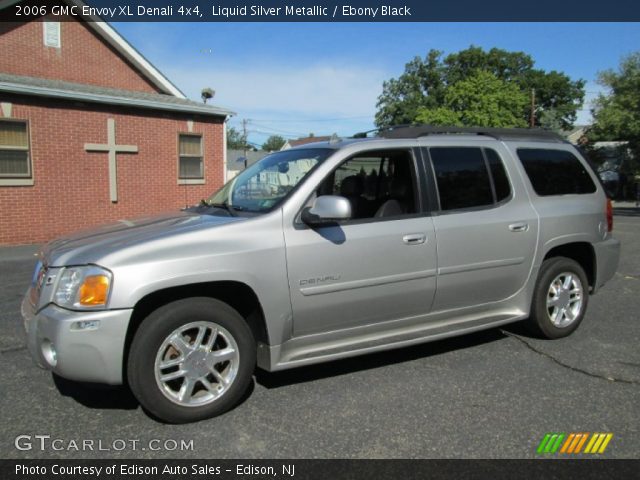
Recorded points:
(51,34)
(190,164)
(14,150)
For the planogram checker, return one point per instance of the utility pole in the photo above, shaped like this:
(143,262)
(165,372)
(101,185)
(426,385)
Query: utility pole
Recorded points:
(533,107)
(244,139)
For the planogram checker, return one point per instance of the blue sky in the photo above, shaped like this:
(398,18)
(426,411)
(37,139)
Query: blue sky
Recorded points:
(295,78)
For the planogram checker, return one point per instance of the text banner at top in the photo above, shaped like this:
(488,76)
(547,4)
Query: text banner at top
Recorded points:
(320,10)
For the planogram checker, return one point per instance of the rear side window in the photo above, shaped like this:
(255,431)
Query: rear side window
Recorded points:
(466,180)
(555,172)
(500,181)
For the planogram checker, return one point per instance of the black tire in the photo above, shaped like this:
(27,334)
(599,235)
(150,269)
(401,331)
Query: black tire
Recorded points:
(151,335)
(539,322)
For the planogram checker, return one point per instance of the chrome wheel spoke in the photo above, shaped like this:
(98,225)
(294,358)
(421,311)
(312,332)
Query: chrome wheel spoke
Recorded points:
(167,377)
(171,362)
(567,281)
(186,390)
(208,385)
(224,355)
(178,341)
(211,340)
(553,301)
(199,337)
(221,379)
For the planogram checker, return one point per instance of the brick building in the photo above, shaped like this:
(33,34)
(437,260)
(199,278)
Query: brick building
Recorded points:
(91,132)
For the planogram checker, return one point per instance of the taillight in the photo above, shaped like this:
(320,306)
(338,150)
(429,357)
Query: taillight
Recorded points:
(609,215)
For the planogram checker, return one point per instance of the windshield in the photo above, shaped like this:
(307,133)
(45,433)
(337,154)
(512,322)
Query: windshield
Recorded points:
(267,183)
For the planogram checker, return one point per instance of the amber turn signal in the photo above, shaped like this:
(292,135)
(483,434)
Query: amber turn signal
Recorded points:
(94,290)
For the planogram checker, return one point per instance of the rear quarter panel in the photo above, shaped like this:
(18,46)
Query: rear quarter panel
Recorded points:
(565,218)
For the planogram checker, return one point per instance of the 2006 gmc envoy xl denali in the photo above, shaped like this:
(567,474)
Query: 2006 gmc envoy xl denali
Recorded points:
(323,252)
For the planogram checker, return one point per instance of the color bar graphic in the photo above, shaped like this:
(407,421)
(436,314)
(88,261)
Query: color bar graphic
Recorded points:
(550,443)
(574,442)
(598,442)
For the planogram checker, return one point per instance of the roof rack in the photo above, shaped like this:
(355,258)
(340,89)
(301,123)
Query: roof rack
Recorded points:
(521,134)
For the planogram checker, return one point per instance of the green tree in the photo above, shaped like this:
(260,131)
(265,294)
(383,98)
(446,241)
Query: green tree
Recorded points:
(616,115)
(236,140)
(479,99)
(551,119)
(425,84)
(273,143)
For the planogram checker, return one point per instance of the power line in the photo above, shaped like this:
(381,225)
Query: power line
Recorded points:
(298,120)
(262,132)
(278,130)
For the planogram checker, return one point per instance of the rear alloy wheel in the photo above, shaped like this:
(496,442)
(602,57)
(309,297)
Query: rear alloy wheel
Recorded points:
(560,299)
(191,359)
(564,299)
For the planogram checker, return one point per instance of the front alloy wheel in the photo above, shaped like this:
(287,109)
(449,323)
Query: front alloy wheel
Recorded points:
(191,359)
(197,363)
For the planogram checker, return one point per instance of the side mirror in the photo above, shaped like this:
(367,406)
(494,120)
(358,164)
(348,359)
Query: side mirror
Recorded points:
(327,209)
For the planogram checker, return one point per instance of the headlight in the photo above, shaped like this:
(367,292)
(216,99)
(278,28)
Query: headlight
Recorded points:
(83,287)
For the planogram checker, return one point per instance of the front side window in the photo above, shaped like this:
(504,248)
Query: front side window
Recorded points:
(377,184)
(14,150)
(265,184)
(555,172)
(190,157)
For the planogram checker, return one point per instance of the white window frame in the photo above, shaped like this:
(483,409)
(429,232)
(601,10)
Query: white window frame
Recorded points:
(191,181)
(19,179)
(46,26)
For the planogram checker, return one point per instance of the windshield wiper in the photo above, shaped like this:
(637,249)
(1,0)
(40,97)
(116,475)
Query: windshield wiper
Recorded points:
(229,208)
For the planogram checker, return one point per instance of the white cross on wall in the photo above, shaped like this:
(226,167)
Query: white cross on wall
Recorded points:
(111,148)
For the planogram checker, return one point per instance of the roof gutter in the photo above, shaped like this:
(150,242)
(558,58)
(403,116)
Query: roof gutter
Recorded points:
(113,100)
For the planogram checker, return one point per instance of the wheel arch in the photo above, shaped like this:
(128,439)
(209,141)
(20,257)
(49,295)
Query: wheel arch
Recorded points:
(581,252)
(238,295)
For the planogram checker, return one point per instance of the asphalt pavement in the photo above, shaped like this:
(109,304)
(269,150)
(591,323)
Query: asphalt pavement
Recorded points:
(493,394)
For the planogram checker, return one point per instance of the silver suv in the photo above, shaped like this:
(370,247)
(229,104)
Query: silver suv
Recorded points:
(323,252)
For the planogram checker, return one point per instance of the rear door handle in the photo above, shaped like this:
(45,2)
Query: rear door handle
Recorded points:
(519,227)
(414,239)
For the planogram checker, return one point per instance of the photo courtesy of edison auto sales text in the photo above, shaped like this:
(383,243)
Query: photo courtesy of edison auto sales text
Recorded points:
(127,469)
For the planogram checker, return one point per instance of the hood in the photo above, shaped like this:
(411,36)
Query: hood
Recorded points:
(90,246)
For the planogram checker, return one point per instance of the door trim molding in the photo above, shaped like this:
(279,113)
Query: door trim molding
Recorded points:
(470,267)
(369,282)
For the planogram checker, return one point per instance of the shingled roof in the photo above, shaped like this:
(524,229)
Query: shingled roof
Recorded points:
(112,96)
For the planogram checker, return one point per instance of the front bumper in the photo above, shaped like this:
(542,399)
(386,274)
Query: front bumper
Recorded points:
(92,354)
(607,258)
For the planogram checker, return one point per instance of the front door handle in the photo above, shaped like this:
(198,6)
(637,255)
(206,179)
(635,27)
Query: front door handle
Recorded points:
(414,239)
(519,227)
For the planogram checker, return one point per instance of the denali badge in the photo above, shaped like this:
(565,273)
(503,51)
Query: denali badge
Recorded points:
(317,280)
